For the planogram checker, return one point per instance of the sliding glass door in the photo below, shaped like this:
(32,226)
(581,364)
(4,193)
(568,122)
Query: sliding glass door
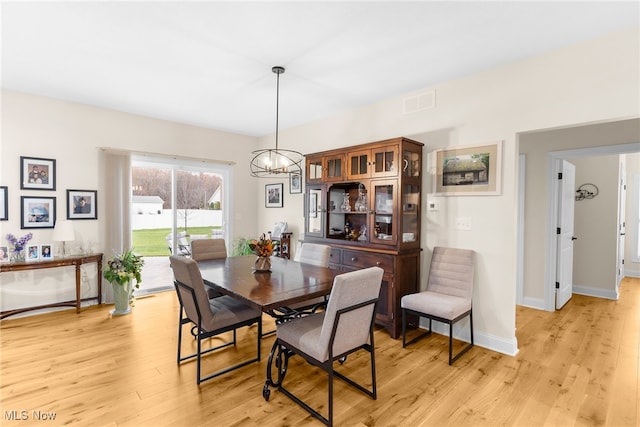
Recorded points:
(173,203)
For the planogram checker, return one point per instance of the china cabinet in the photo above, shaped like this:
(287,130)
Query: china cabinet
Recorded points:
(369,213)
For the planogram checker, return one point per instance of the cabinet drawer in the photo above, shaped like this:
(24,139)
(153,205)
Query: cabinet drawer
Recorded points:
(366,259)
(335,256)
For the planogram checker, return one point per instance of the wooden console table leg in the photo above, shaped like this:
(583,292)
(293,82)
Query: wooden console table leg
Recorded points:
(78,277)
(99,264)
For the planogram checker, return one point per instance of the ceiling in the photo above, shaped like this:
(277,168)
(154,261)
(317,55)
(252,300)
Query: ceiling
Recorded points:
(209,63)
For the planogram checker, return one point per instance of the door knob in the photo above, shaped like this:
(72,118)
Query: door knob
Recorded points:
(574,238)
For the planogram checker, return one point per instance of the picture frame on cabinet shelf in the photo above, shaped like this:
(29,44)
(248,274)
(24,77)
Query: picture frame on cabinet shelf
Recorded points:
(295,183)
(4,254)
(82,204)
(46,251)
(4,203)
(469,171)
(37,173)
(37,212)
(273,195)
(33,252)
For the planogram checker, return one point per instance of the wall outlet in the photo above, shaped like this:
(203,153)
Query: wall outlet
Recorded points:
(463,223)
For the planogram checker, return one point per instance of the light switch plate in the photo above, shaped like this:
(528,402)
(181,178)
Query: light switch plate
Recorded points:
(433,205)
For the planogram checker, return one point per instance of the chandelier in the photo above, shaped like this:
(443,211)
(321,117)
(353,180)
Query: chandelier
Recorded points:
(271,162)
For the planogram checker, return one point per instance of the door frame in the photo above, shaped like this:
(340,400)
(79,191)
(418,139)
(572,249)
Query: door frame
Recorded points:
(554,162)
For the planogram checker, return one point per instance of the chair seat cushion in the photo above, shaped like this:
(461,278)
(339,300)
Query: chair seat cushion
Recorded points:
(304,334)
(436,304)
(228,311)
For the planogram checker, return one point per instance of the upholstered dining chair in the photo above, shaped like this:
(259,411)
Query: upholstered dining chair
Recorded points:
(322,338)
(448,295)
(210,317)
(206,249)
(314,254)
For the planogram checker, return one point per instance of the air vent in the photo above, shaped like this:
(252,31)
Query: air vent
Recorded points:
(423,101)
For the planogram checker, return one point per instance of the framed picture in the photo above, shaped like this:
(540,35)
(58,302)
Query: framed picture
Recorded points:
(4,254)
(82,204)
(273,195)
(469,171)
(4,203)
(37,173)
(295,183)
(46,251)
(33,252)
(37,212)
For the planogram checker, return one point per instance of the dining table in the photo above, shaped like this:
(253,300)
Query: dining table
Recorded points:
(287,284)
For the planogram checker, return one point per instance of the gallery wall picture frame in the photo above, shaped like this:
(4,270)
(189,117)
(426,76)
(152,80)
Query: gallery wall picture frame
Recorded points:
(82,204)
(33,252)
(4,254)
(295,183)
(469,171)
(46,251)
(4,203)
(37,173)
(273,195)
(37,212)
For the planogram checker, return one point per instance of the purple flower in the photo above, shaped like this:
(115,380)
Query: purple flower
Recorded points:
(18,244)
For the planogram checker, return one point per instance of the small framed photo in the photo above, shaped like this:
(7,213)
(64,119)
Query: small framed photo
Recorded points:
(33,252)
(37,173)
(273,195)
(46,251)
(37,212)
(469,171)
(295,183)
(82,204)
(4,203)
(4,254)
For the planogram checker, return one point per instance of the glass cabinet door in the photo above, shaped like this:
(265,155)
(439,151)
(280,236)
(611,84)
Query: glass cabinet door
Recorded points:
(358,164)
(411,166)
(334,168)
(315,221)
(385,161)
(314,169)
(384,228)
(410,214)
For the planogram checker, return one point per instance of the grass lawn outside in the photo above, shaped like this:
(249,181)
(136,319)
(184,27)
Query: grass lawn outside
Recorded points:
(153,242)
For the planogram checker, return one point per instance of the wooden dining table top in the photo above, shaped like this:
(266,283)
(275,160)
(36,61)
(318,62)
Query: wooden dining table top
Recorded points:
(288,282)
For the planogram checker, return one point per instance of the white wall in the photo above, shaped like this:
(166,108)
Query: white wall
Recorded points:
(589,82)
(631,265)
(72,134)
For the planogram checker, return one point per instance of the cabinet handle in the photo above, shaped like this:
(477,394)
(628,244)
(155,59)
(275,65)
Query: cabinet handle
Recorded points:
(353,259)
(378,263)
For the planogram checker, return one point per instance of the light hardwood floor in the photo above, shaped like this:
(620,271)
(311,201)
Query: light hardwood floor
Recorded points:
(578,366)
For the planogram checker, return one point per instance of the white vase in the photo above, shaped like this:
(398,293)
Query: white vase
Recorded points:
(122,298)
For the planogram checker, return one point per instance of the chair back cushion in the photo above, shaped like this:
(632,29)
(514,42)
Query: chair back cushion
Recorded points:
(187,272)
(203,249)
(313,253)
(451,272)
(350,289)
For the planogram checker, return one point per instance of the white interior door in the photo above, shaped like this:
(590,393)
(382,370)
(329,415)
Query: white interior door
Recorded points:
(564,271)
(622,206)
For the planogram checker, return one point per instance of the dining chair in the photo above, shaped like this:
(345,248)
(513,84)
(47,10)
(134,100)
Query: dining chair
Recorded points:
(448,295)
(314,254)
(207,249)
(210,317)
(322,338)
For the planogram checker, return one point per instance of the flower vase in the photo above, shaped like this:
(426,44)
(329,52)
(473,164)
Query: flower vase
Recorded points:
(18,256)
(262,264)
(122,297)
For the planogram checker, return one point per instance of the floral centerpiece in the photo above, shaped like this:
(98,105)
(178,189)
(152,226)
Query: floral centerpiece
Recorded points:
(263,248)
(121,271)
(18,245)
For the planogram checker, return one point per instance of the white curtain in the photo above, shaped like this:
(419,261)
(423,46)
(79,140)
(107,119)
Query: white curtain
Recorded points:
(117,174)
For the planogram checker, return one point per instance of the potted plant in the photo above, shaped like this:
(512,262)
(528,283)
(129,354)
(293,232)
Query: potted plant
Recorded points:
(121,271)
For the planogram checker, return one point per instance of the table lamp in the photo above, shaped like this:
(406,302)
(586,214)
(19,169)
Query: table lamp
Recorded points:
(63,232)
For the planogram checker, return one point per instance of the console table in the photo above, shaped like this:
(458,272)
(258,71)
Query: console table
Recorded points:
(76,261)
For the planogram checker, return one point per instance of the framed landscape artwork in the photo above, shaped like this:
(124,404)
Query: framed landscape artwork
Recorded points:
(469,171)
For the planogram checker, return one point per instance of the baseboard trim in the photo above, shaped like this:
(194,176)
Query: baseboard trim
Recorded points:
(594,292)
(461,332)
(537,303)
